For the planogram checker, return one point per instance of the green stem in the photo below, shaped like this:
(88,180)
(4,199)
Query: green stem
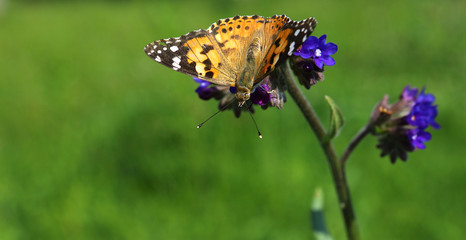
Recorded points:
(361,134)
(336,167)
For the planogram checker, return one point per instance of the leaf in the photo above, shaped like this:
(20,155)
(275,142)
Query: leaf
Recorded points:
(317,217)
(336,120)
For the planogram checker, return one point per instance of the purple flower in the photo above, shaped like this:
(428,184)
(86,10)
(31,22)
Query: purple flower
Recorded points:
(423,112)
(401,127)
(261,95)
(317,49)
(418,137)
(205,91)
(307,71)
(265,95)
(409,94)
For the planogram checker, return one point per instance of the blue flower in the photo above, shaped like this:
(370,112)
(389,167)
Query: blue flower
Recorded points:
(205,91)
(401,127)
(409,94)
(307,71)
(264,95)
(418,137)
(317,49)
(423,112)
(261,95)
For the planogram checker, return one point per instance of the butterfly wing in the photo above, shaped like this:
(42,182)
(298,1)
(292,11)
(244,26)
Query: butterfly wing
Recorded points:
(283,42)
(234,36)
(218,54)
(196,54)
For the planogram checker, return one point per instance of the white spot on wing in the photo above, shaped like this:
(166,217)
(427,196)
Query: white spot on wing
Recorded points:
(176,60)
(291,49)
(157,58)
(176,63)
(176,66)
(165,48)
(159,51)
(174,48)
(297,32)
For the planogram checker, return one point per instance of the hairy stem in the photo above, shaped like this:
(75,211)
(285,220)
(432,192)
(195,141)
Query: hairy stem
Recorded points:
(336,167)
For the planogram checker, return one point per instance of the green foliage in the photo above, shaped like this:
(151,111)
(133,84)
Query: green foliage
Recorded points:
(97,141)
(336,120)
(318,217)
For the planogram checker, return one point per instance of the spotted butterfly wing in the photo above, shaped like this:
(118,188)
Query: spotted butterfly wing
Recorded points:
(194,55)
(283,43)
(218,53)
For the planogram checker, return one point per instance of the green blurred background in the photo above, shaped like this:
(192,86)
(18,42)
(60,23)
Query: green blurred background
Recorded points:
(97,141)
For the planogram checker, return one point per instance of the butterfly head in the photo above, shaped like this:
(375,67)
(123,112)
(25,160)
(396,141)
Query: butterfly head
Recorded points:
(242,95)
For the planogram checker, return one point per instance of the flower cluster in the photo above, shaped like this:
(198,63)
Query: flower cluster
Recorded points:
(309,60)
(401,127)
(319,50)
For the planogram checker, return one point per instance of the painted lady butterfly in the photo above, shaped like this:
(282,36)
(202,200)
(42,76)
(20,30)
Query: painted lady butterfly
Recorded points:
(239,51)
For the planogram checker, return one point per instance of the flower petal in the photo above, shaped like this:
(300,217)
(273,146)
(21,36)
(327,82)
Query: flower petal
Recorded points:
(329,61)
(319,63)
(426,98)
(409,94)
(435,125)
(330,48)
(424,136)
(311,43)
(205,93)
(304,53)
(322,40)
(419,145)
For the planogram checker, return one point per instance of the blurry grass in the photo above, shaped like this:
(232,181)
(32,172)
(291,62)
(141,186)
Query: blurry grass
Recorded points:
(97,141)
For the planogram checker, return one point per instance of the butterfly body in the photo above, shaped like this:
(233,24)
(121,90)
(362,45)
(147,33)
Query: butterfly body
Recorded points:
(245,81)
(238,52)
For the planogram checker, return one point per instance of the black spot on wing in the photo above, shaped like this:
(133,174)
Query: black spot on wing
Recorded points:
(208,64)
(206,48)
(209,74)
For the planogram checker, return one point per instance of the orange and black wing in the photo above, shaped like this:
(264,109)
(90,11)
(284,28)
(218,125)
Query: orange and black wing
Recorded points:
(196,54)
(282,42)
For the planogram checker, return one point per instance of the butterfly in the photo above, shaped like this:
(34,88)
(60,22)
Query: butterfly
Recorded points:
(239,51)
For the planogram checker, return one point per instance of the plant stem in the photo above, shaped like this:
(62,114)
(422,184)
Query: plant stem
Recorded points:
(336,166)
(361,134)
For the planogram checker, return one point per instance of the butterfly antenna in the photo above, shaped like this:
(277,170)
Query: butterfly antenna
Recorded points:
(200,125)
(250,114)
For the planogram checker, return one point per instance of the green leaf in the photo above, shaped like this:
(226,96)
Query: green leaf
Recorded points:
(317,217)
(336,120)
